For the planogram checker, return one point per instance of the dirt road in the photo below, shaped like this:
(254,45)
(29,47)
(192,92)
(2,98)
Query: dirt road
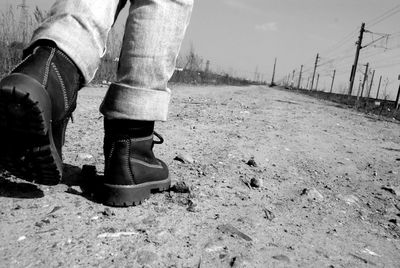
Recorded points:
(323,190)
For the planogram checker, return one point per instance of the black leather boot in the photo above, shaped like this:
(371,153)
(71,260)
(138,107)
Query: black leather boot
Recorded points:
(36,102)
(132,171)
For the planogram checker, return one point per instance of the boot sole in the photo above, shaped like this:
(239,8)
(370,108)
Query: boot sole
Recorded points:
(130,195)
(27,148)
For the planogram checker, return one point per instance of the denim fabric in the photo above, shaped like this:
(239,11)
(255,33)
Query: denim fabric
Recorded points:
(153,34)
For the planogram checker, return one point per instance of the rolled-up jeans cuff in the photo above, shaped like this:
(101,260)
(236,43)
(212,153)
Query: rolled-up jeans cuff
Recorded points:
(86,58)
(134,103)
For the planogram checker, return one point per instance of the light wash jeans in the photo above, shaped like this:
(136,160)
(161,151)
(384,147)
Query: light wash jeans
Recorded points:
(153,35)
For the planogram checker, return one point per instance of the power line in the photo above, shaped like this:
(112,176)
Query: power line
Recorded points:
(379,18)
(391,13)
(341,42)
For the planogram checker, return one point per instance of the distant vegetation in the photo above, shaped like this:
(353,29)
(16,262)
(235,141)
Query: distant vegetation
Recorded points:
(16,30)
(15,34)
(190,68)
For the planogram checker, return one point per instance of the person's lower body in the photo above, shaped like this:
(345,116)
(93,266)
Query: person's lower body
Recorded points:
(75,35)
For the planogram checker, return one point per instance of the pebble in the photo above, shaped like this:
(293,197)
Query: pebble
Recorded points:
(107,212)
(71,190)
(313,194)
(56,208)
(239,262)
(397,190)
(281,257)
(42,222)
(392,190)
(370,252)
(268,214)
(184,158)
(252,162)
(350,199)
(229,229)
(256,183)
(84,156)
(192,206)
(180,187)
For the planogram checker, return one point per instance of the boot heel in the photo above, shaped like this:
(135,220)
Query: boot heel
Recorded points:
(128,195)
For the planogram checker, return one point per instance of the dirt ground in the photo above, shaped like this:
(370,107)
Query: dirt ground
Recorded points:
(321,189)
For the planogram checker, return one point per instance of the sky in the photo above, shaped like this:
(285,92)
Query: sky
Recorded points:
(243,37)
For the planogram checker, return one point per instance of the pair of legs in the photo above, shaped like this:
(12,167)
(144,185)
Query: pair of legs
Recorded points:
(38,97)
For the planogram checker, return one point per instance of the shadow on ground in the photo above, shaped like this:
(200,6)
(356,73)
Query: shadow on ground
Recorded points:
(15,189)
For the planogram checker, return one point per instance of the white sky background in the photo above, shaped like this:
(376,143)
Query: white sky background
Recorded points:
(240,36)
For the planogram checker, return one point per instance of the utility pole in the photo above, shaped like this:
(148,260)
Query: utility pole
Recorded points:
(316,85)
(301,70)
(308,82)
(23,19)
(292,81)
(273,75)
(397,97)
(384,91)
(333,79)
(207,70)
(379,87)
(358,92)
(256,74)
(354,67)
(370,86)
(315,68)
(365,78)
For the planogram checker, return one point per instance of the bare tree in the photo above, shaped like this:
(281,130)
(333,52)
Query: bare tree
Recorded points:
(193,61)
